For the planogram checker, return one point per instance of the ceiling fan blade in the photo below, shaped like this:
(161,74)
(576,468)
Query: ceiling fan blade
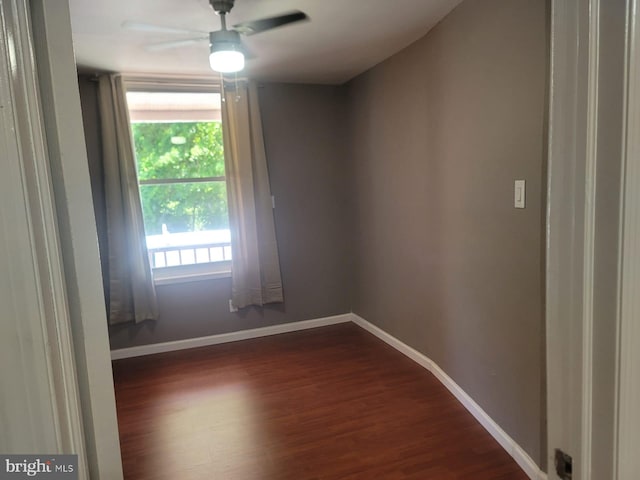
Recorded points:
(146,27)
(257,26)
(156,47)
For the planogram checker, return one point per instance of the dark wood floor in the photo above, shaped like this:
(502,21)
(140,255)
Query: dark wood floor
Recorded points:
(329,403)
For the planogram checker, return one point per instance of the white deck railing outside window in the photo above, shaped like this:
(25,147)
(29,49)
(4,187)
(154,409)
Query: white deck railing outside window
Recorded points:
(189,248)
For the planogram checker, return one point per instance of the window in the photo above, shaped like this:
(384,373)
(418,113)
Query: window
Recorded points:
(180,163)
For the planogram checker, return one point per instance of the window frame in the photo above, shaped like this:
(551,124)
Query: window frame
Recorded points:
(199,271)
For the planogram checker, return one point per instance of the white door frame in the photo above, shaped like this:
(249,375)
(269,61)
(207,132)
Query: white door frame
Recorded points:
(62,120)
(39,375)
(627,459)
(57,391)
(570,228)
(593,382)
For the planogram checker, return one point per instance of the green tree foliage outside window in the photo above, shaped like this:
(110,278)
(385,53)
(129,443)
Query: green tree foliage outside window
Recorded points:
(185,150)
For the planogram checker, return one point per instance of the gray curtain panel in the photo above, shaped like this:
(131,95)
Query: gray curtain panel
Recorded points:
(256,278)
(132,295)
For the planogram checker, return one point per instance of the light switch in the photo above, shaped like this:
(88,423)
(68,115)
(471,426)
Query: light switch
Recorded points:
(519,194)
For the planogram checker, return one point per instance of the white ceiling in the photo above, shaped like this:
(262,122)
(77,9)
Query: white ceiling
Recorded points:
(343,39)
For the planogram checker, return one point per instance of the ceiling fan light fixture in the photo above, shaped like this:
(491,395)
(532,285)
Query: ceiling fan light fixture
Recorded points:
(225,52)
(226,61)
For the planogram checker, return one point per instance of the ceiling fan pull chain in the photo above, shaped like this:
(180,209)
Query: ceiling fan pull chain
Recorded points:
(236,86)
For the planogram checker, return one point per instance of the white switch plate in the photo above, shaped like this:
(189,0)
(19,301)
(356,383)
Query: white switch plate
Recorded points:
(519,194)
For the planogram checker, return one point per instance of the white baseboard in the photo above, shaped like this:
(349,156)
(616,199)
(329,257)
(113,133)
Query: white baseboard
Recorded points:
(227,337)
(512,448)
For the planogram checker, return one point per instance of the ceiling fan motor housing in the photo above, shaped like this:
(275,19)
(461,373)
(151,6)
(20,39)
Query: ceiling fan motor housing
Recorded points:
(224,40)
(222,6)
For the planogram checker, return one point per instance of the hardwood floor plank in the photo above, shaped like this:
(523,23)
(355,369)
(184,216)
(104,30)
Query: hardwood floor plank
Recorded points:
(333,403)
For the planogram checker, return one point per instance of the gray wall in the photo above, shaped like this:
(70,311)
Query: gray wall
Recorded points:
(305,143)
(439,133)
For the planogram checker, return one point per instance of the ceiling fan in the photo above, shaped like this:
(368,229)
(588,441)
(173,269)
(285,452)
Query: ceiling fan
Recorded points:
(226,52)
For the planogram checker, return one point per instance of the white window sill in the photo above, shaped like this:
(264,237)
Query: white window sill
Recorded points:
(191,273)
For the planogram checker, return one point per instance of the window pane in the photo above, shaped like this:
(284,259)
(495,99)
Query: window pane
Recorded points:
(184,207)
(186,223)
(178,136)
(178,150)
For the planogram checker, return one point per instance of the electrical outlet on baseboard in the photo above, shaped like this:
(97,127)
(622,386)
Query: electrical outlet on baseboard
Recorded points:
(232,308)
